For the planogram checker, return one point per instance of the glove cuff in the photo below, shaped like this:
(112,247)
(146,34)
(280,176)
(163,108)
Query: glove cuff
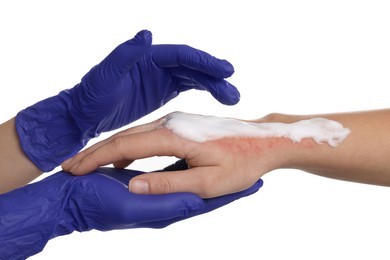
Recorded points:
(48,134)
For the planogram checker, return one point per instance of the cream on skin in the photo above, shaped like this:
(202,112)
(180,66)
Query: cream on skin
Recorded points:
(200,128)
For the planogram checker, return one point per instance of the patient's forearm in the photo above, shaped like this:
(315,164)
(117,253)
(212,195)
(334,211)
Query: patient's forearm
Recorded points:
(16,169)
(364,156)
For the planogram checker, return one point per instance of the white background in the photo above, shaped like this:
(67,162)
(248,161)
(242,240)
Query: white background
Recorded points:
(298,57)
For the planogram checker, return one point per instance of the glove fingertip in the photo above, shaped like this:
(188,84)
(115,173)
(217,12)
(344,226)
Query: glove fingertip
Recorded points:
(144,37)
(258,185)
(193,204)
(228,94)
(125,55)
(228,69)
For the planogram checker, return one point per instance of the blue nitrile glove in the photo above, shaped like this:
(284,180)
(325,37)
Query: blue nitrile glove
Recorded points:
(62,203)
(132,81)
(210,204)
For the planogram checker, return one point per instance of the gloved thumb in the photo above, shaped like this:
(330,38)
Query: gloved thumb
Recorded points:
(123,57)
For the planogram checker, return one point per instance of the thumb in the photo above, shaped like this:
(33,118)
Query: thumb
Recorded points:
(195,180)
(128,53)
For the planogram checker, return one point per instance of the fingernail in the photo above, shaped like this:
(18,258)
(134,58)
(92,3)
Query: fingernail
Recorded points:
(74,167)
(139,186)
(66,162)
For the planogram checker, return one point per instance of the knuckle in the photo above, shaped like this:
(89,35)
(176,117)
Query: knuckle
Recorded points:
(117,142)
(273,117)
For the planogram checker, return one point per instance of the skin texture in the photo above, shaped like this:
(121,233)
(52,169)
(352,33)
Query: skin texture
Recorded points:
(231,164)
(15,167)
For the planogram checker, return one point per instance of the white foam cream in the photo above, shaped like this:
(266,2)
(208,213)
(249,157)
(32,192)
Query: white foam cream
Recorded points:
(200,128)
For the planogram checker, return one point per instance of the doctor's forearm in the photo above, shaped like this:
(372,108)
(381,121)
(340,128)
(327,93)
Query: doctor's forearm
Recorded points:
(16,169)
(362,157)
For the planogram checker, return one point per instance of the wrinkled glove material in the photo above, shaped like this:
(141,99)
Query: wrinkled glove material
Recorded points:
(61,203)
(135,79)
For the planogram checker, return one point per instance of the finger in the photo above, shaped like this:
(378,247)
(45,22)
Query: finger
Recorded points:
(122,204)
(157,208)
(69,163)
(183,55)
(128,53)
(206,182)
(159,142)
(220,89)
(215,203)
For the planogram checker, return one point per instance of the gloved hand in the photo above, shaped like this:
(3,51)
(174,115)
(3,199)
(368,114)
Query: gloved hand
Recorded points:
(62,203)
(135,79)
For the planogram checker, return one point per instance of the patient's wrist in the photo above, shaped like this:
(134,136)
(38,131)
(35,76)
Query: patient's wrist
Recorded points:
(301,138)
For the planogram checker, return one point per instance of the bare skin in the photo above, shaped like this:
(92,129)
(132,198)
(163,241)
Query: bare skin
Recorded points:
(232,164)
(16,169)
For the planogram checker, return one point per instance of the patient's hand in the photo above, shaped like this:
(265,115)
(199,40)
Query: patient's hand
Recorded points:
(216,167)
